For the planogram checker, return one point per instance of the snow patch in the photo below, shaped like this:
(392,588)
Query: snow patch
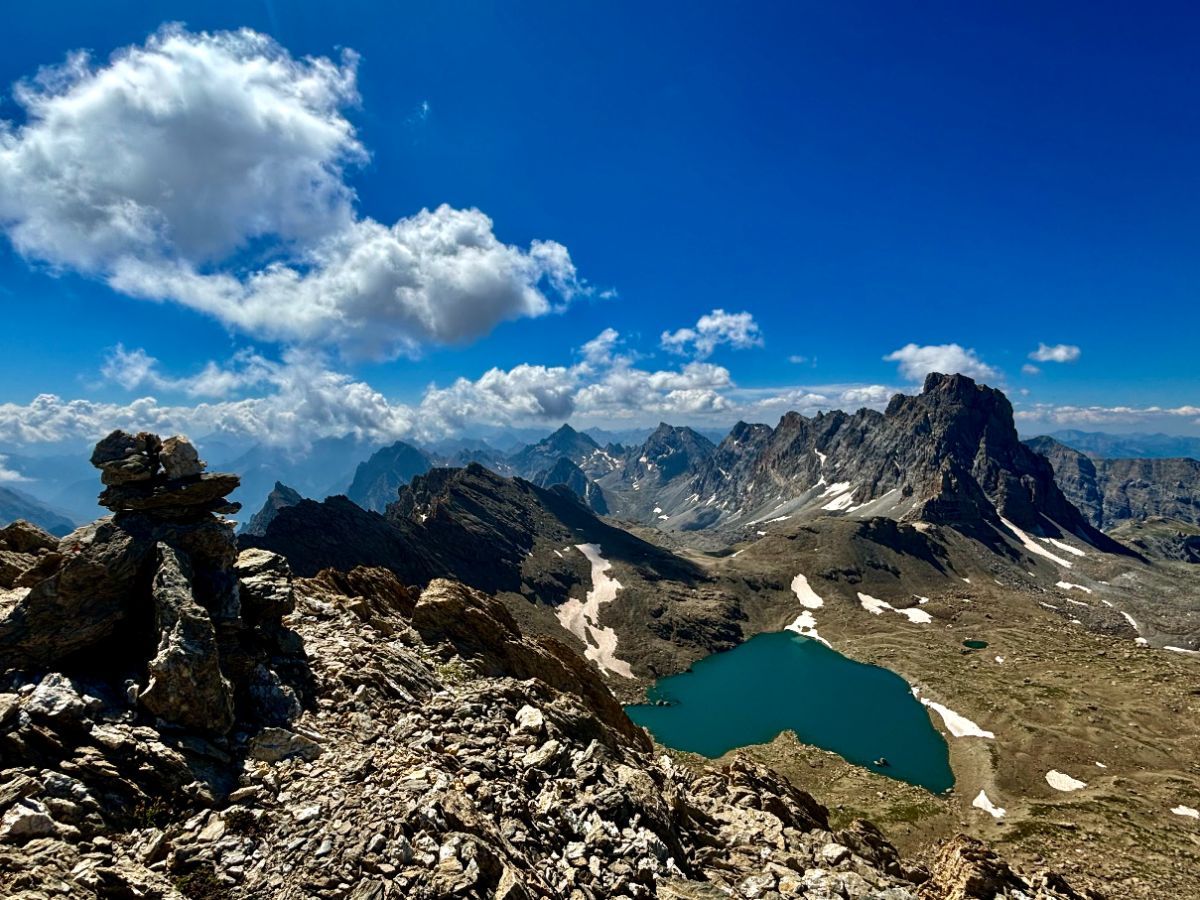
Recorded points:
(959,726)
(877,607)
(1033,546)
(1066,586)
(1061,781)
(1187,811)
(1065,547)
(982,802)
(805,594)
(806,626)
(1182,650)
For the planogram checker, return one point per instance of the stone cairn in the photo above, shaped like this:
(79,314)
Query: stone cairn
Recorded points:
(159,593)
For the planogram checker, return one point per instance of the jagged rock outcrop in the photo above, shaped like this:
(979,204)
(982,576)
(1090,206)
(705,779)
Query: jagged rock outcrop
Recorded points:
(568,474)
(1110,491)
(566,442)
(377,480)
(281,497)
(151,593)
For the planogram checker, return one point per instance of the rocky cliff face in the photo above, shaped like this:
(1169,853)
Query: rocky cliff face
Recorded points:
(569,475)
(377,480)
(281,497)
(218,729)
(1109,491)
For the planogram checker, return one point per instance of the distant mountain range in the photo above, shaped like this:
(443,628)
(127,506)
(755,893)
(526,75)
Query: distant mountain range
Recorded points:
(16,504)
(1129,446)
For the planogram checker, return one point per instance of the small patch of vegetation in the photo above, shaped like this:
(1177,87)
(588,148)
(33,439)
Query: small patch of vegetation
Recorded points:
(151,813)
(201,884)
(454,672)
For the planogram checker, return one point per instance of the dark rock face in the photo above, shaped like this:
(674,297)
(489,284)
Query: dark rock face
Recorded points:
(571,476)
(669,452)
(377,480)
(1110,491)
(281,497)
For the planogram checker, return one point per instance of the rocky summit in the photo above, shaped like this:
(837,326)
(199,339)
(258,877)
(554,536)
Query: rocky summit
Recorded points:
(178,720)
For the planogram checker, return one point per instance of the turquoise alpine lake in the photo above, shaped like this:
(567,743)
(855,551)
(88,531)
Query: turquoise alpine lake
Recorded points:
(781,681)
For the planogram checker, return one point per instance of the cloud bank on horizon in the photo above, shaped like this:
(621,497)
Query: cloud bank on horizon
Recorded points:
(210,170)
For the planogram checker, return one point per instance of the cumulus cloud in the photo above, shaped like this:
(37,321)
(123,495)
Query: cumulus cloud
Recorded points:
(1031,369)
(137,370)
(1059,353)
(209,170)
(7,474)
(738,330)
(915,362)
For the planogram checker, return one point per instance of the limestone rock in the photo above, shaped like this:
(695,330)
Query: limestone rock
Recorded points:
(179,458)
(25,537)
(265,581)
(186,684)
(276,744)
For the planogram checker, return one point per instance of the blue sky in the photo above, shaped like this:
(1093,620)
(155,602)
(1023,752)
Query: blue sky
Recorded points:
(859,178)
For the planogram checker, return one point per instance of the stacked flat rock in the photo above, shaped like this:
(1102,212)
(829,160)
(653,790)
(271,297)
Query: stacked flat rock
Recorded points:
(166,477)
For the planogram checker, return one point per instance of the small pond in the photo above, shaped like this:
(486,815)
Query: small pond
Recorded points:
(780,681)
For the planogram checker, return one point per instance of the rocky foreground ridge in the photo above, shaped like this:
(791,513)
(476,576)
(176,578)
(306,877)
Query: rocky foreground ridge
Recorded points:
(178,720)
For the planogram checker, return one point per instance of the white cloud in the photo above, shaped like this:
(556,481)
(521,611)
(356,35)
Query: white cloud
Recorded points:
(209,169)
(1108,415)
(7,474)
(599,351)
(916,362)
(738,330)
(872,395)
(136,370)
(1059,353)
(797,359)
(1031,369)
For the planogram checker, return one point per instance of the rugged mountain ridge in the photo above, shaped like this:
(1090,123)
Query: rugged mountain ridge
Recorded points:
(16,504)
(949,455)
(1110,491)
(572,477)
(566,442)
(377,480)
(281,497)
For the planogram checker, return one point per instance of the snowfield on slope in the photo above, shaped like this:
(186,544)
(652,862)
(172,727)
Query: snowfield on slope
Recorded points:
(877,607)
(957,725)
(806,595)
(582,617)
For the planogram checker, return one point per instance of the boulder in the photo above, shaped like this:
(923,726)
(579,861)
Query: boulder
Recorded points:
(179,458)
(86,601)
(123,458)
(265,585)
(25,537)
